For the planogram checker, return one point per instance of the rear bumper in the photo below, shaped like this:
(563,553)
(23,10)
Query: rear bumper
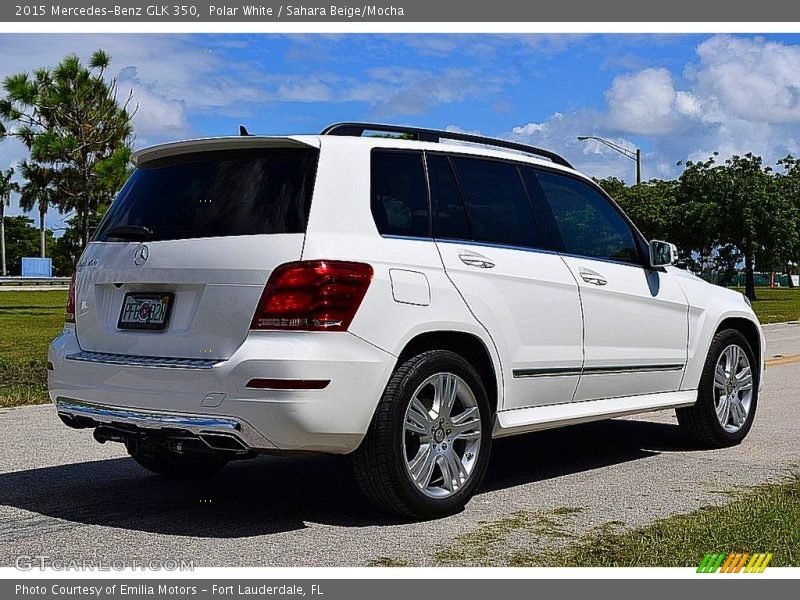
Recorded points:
(213,397)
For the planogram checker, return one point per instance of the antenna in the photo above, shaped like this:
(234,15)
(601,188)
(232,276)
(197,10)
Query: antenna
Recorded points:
(243,131)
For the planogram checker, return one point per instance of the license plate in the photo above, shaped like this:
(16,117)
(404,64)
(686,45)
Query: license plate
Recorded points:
(145,311)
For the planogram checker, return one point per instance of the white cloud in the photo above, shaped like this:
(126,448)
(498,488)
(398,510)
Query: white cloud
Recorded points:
(749,78)
(642,102)
(742,94)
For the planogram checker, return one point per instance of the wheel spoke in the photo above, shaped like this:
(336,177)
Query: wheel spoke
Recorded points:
(738,412)
(723,409)
(418,419)
(744,379)
(421,466)
(446,391)
(457,471)
(467,425)
(720,378)
(734,359)
(447,474)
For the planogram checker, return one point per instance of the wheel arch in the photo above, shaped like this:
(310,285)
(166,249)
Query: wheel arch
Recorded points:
(749,330)
(467,345)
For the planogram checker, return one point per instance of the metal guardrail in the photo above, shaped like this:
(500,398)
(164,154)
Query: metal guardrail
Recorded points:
(34,281)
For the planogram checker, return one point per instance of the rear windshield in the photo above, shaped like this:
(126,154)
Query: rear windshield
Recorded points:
(213,194)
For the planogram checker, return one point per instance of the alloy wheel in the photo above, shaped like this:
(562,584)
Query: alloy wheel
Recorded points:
(733,388)
(441,435)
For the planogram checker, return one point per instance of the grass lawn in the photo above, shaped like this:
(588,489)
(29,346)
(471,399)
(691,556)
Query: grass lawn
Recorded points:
(777,305)
(764,519)
(28,323)
(758,520)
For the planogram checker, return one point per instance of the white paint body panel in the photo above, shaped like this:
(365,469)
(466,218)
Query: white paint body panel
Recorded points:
(531,311)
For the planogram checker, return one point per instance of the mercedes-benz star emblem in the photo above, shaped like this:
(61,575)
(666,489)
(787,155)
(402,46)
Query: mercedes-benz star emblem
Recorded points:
(141,255)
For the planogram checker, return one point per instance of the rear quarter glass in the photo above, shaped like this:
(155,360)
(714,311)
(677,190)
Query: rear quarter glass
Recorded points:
(216,194)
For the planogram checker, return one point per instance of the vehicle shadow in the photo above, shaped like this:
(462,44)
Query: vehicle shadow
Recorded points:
(276,494)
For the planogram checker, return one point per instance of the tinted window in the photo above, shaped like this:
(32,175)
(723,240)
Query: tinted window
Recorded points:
(497,204)
(213,194)
(399,194)
(588,223)
(451,218)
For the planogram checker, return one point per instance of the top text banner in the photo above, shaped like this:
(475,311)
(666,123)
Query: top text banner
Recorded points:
(465,11)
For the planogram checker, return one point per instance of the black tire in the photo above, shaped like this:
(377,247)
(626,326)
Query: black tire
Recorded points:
(379,463)
(173,465)
(700,421)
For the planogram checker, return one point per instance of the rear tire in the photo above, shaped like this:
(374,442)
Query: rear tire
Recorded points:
(727,396)
(173,465)
(428,446)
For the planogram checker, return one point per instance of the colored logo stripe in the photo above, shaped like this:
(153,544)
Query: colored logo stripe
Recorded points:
(734,562)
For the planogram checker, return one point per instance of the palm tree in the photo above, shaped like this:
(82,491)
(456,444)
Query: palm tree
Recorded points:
(36,192)
(6,187)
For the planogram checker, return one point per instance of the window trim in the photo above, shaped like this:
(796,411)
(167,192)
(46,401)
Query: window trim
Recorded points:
(558,242)
(398,236)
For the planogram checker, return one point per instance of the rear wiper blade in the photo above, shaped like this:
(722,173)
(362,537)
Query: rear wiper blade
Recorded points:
(130,232)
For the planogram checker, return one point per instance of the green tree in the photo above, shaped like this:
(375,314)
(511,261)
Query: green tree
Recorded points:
(6,187)
(72,123)
(697,210)
(738,202)
(613,186)
(788,185)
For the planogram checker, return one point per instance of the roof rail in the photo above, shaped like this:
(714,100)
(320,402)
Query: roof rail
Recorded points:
(437,135)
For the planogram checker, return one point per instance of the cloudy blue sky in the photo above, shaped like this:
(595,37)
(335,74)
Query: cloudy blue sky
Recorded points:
(675,96)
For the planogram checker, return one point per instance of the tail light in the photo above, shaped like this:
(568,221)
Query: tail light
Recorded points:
(70,317)
(316,295)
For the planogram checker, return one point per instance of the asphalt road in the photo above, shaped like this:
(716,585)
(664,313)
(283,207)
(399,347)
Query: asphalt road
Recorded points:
(63,495)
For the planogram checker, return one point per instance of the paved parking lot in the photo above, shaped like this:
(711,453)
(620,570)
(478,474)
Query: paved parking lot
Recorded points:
(65,496)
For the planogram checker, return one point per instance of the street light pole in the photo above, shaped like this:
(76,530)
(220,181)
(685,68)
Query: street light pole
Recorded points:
(635,155)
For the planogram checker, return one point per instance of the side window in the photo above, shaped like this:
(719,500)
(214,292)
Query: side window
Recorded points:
(496,201)
(399,193)
(588,223)
(450,217)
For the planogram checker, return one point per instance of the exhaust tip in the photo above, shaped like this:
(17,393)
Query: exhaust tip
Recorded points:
(224,442)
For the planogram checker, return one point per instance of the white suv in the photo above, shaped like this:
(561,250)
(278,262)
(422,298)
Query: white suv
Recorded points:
(403,300)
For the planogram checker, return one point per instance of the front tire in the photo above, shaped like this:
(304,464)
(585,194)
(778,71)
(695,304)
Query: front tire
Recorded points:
(728,394)
(427,448)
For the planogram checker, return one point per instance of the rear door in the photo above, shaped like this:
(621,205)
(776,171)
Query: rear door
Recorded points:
(635,317)
(527,299)
(179,263)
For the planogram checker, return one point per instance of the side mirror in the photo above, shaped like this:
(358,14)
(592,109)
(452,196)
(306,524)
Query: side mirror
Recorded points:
(662,253)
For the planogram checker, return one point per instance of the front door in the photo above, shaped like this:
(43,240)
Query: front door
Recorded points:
(635,317)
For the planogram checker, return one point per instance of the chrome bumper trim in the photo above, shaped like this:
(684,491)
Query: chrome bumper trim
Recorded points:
(157,420)
(130,360)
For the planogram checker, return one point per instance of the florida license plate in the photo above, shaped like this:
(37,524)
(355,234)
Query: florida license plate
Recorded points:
(145,311)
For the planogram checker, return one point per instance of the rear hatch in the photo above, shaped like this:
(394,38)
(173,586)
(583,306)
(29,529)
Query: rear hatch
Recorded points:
(179,263)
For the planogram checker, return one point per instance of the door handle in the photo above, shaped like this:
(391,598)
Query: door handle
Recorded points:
(475,260)
(592,277)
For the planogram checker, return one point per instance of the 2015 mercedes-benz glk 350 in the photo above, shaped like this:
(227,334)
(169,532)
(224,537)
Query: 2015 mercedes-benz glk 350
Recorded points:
(401,300)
